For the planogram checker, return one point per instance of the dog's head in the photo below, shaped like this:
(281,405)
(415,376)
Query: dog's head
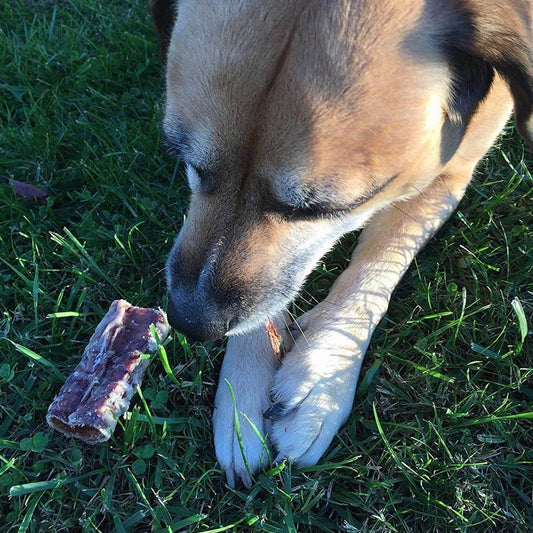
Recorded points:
(298,120)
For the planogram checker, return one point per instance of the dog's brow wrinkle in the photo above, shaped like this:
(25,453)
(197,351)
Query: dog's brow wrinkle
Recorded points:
(284,53)
(277,70)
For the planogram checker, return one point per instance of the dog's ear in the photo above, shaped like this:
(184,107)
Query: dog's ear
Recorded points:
(164,15)
(483,35)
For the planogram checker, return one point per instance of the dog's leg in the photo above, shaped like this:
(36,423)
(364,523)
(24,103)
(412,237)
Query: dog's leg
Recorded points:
(314,388)
(247,370)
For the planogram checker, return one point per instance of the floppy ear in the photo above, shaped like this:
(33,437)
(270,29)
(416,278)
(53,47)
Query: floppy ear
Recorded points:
(164,15)
(496,34)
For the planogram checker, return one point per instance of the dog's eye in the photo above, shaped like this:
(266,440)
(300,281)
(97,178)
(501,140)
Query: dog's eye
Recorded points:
(307,212)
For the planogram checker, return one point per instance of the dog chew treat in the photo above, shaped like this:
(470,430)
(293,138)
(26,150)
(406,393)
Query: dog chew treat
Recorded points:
(102,385)
(275,341)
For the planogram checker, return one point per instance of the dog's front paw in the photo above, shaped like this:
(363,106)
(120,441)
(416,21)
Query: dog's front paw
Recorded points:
(313,394)
(239,431)
(242,397)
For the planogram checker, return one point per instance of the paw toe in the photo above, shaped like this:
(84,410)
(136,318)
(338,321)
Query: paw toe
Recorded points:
(275,411)
(241,460)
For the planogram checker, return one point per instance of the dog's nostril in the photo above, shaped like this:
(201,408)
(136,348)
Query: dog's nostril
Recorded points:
(195,318)
(172,313)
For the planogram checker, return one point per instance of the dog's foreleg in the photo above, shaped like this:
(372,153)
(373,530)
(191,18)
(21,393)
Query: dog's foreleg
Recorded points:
(315,386)
(242,396)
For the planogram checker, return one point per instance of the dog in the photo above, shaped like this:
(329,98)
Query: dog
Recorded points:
(300,121)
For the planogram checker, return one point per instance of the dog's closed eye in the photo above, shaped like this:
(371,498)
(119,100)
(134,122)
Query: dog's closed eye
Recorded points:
(317,210)
(321,204)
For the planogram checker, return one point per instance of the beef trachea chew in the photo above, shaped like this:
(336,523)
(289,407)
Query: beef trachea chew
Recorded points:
(102,385)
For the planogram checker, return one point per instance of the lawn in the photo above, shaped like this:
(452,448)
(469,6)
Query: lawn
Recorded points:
(441,435)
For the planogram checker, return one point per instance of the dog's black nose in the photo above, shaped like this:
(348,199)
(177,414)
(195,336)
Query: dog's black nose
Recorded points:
(195,318)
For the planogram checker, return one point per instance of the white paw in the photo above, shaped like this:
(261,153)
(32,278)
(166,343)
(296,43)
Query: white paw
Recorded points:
(240,459)
(248,367)
(313,391)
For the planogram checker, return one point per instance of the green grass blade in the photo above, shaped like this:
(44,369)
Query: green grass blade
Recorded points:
(265,449)
(521,315)
(163,356)
(528,415)
(238,431)
(36,357)
(177,525)
(64,314)
(148,412)
(29,513)
(39,486)
(369,377)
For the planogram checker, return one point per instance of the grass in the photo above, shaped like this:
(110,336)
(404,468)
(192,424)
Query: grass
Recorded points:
(441,435)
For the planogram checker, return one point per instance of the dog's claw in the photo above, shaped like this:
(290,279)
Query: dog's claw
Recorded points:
(233,477)
(295,330)
(230,478)
(246,479)
(274,411)
(294,327)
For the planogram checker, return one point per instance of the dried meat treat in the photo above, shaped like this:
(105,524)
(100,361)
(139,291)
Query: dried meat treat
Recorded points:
(102,385)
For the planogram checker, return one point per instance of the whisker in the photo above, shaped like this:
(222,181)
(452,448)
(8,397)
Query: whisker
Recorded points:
(293,302)
(306,301)
(316,301)
(313,298)
(287,326)
(295,321)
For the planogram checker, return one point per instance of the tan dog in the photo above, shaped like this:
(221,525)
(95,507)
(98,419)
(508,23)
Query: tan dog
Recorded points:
(299,121)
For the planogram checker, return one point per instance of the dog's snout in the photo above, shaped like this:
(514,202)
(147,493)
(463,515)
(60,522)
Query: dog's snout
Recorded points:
(196,318)
(198,305)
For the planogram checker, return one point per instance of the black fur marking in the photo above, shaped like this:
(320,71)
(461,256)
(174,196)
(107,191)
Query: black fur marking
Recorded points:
(472,79)
(164,16)
(501,34)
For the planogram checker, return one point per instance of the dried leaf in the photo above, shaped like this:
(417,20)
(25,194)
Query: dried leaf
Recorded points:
(27,191)
(275,341)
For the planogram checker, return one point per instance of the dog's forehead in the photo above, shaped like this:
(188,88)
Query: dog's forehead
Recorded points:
(270,82)
(221,59)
